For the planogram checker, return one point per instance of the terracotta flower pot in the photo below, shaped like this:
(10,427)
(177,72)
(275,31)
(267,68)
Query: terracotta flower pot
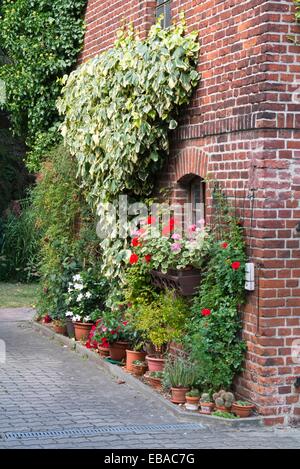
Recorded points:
(70,328)
(242,411)
(131,356)
(82,330)
(192,403)
(155,364)
(139,370)
(60,329)
(178,395)
(156,383)
(222,408)
(117,351)
(206,407)
(103,351)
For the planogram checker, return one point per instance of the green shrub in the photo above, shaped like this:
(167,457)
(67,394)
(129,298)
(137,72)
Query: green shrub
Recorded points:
(20,246)
(179,372)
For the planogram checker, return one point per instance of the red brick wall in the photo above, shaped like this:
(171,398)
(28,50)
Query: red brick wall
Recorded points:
(242,127)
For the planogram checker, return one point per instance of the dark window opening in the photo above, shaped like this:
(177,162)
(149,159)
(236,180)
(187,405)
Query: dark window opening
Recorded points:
(197,199)
(163,7)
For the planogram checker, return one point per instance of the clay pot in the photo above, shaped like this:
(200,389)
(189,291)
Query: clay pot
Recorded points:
(131,356)
(155,364)
(117,351)
(242,411)
(156,383)
(206,407)
(178,395)
(60,329)
(70,328)
(222,408)
(138,370)
(82,330)
(103,351)
(192,403)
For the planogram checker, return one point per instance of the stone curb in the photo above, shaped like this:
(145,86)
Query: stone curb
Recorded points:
(118,373)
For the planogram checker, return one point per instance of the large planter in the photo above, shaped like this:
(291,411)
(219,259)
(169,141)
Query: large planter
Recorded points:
(82,330)
(131,356)
(242,411)
(184,281)
(155,364)
(117,351)
(178,395)
(70,328)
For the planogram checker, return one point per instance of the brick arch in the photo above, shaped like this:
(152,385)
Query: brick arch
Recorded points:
(191,160)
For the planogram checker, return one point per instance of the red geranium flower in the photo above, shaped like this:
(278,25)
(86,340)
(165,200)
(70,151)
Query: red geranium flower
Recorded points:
(151,220)
(236,265)
(206,312)
(148,258)
(47,319)
(224,245)
(136,242)
(170,227)
(125,323)
(133,258)
(88,344)
(104,342)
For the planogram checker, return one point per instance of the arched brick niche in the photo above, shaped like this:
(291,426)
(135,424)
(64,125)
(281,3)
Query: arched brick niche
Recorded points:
(190,162)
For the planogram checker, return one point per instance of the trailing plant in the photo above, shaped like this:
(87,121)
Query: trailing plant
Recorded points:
(42,39)
(214,331)
(119,107)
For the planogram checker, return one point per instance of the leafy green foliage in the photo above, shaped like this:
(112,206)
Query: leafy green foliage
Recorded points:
(20,246)
(120,106)
(69,242)
(42,39)
(179,372)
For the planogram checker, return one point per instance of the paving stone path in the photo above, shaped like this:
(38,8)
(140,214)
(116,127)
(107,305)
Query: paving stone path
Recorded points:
(44,386)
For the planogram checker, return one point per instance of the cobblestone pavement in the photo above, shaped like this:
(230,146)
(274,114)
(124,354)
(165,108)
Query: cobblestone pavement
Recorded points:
(45,386)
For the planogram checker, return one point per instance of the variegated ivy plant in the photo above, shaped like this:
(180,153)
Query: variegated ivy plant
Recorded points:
(119,107)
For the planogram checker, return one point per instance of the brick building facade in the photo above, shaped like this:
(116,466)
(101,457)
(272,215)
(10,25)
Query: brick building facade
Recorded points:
(243,128)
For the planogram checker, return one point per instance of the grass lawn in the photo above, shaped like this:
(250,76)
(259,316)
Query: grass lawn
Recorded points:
(17,295)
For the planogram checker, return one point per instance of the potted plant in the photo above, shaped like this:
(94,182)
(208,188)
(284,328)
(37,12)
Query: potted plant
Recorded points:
(139,368)
(155,379)
(114,331)
(84,300)
(242,409)
(192,399)
(223,401)
(161,321)
(206,404)
(135,352)
(59,326)
(173,260)
(180,375)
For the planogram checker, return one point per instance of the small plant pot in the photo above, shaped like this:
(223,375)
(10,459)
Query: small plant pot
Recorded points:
(103,351)
(178,395)
(242,411)
(138,370)
(131,356)
(222,408)
(156,383)
(70,328)
(192,403)
(117,351)
(82,330)
(206,407)
(60,329)
(155,364)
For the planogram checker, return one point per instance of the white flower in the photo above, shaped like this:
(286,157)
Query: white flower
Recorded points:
(77,278)
(77,318)
(79,297)
(78,286)
(88,295)
(69,314)
(87,319)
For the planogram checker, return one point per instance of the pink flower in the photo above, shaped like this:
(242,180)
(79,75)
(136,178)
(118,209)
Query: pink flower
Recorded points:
(176,247)
(176,236)
(192,228)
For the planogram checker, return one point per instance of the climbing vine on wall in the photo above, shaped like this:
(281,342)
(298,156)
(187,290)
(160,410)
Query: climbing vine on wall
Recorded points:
(42,39)
(120,106)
